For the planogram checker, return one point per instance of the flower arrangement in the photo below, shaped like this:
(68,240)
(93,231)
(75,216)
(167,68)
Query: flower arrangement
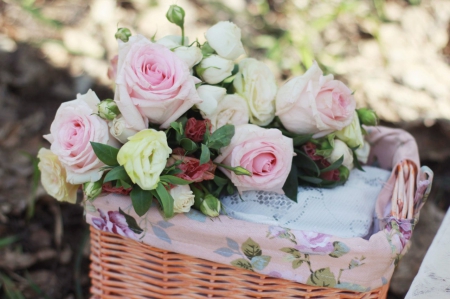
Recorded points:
(191,121)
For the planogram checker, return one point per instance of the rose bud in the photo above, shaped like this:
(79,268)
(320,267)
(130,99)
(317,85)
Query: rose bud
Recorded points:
(214,69)
(120,130)
(175,15)
(367,117)
(352,134)
(123,34)
(92,189)
(225,38)
(344,173)
(341,149)
(210,206)
(108,109)
(211,96)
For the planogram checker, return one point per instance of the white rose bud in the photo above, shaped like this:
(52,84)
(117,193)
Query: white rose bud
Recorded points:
(210,95)
(92,189)
(108,109)
(190,55)
(120,130)
(256,84)
(341,149)
(183,198)
(225,39)
(210,206)
(232,110)
(352,134)
(363,152)
(214,69)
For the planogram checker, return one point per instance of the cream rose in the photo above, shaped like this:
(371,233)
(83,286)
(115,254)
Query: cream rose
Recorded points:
(144,157)
(153,84)
(214,69)
(183,198)
(256,84)
(225,38)
(74,127)
(266,153)
(120,130)
(341,149)
(363,153)
(315,104)
(53,177)
(232,109)
(352,134)
(210,96)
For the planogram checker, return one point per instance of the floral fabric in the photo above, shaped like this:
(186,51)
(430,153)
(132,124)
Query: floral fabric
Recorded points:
(302,256)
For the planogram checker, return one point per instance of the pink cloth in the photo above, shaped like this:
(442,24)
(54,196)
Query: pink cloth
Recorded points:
(306,257)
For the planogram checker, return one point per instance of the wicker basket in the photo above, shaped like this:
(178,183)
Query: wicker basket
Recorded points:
(123,268)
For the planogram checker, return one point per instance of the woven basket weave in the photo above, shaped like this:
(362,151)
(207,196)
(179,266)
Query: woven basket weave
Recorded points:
(123,268)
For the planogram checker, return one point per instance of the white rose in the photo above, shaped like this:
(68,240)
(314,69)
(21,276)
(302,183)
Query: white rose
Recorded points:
(191,55)
(120,130)
(183,198)
(225,39)
(172,41)
(232,109)
(363,152)
(210,95)
(214,69)
(256,84)
(341,149)
(352,134)
(53,177)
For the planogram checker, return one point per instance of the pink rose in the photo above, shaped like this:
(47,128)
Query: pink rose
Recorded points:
(315,104)
(74,127)
(266,153)
(153,84)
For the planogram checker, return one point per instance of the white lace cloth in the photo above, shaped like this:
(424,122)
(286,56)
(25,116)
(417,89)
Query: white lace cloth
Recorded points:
(433,279)
(345,211)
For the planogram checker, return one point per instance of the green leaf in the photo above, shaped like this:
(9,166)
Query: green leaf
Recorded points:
(207,133)
(166,200)
(303,161)
(310,179)
(189,145)
(333,166)
(117,173)
(231,188)
(356,162)
(296,264)
(322,278)
(251,249)
(243,264)
(220,181)
(301,139)
(221,137)
(124,184)
(132,224)
(178,127)
(294,252)
(107,154)
(8,240)
(290,187)
(205,156)
(339,249)
(173,180)
(141,200)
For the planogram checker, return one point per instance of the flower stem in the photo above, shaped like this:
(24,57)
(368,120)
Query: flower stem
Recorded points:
(182,35)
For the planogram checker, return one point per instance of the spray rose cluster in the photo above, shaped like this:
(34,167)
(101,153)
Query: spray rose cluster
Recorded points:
(190,121)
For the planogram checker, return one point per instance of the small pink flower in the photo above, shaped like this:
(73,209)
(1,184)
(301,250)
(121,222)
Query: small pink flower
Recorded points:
(113,222)
(313,243)
(266,153)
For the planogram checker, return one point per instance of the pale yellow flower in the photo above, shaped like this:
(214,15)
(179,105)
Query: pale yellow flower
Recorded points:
(144,157)
(53,177)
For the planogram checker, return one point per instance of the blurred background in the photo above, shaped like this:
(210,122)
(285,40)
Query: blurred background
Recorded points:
(394,54)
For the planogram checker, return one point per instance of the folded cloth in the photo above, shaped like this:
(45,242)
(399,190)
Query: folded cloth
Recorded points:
(345,211)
